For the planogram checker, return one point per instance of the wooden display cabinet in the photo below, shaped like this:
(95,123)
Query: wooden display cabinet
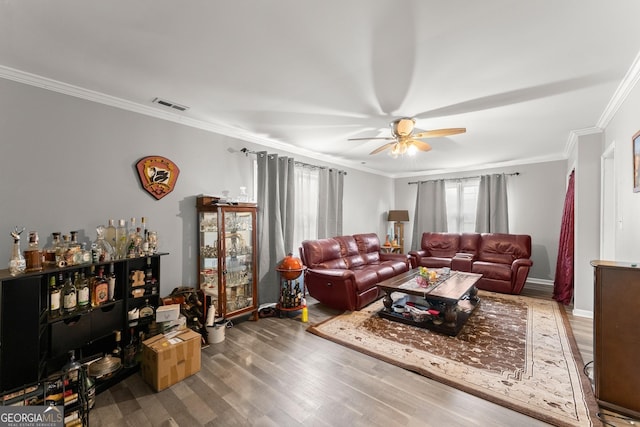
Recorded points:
(227,260)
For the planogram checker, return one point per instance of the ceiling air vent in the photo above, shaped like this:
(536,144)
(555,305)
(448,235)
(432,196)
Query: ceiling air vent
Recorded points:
(170,104)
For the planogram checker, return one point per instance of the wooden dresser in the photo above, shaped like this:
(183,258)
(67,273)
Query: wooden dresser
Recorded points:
(616,336)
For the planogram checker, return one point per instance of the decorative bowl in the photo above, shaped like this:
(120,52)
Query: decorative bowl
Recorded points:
(422,281)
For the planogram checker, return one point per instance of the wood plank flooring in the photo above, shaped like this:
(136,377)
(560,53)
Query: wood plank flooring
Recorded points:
(274,373)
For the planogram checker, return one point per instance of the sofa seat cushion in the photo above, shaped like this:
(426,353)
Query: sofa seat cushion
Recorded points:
(398,266)
(490,270)
(382,271)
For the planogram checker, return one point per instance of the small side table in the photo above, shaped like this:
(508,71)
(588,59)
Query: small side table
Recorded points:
(391,249)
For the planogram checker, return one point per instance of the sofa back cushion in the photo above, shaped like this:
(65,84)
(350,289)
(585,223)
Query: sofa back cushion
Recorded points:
(442,245)
(469,243)
(504,248)
(369,247)
(349,251)
(322,253)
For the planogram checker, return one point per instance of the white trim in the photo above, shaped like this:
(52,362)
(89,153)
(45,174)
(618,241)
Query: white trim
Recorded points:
(624,88)
(622,92)
(545,282)
(583,313)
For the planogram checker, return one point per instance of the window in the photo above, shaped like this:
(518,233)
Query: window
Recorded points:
(462,200)
(306,204)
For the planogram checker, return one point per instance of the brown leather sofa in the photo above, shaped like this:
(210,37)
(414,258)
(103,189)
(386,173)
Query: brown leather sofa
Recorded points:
(502,259)
(342,272)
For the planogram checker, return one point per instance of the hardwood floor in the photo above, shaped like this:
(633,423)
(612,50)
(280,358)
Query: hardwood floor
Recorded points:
(274,373)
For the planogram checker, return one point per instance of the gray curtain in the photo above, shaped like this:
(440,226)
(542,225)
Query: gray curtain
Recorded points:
(275,220)
(492,214)
(431,210)
(331,184)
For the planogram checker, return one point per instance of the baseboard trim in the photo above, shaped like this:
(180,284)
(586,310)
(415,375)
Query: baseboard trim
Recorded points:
(545,282)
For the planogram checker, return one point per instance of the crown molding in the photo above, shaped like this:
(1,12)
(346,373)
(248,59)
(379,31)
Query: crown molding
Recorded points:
(152,111)
(622,92)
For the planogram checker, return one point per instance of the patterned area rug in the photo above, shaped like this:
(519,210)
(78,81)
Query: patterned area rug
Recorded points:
(516,351)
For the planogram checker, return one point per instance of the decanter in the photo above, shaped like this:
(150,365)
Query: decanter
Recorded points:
(104,250)
(17,263)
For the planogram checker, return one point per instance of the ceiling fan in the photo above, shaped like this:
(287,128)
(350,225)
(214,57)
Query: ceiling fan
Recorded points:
(405,141)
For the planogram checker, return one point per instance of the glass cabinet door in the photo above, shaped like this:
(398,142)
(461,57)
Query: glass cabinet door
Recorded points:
(238,260)
(209,279)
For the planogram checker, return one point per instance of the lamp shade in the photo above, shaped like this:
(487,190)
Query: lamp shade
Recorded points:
(398,216)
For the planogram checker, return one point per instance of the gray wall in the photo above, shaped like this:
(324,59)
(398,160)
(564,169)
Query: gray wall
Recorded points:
(536,202)
(68,164)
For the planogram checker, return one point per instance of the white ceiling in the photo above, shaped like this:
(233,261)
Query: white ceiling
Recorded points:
(305,76)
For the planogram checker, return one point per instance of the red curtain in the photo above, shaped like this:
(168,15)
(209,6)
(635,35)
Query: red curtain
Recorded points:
(563,283)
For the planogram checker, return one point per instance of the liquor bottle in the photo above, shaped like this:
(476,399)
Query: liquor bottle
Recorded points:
(149,280)
(69,296)
(89,388)
(100,290)
(51,250)
(111,279)
(75,248)
(82,285)
(110,234)
(67,254)
(121,239)
(54,297)
(85,254)
(17,264)
(129,354)
(33,255)
(117,351)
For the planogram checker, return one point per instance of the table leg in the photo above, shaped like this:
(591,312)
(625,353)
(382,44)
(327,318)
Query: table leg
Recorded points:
(387,301)
(451,314)
(473,294)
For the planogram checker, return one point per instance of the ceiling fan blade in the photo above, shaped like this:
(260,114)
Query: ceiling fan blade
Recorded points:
(383,147)
(420,145)
(388,138)
(440,132)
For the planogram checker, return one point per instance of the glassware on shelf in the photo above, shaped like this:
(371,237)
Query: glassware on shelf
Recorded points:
(104,250)
(17,263)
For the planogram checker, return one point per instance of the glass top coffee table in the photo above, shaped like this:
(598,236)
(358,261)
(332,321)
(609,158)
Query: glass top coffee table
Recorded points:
(443,306)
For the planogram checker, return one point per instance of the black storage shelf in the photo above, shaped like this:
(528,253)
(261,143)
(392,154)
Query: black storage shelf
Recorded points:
(35,344)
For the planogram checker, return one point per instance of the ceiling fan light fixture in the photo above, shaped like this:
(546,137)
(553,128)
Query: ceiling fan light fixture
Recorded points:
(412,150)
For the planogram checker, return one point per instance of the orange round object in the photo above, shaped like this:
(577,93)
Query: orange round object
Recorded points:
(290,267)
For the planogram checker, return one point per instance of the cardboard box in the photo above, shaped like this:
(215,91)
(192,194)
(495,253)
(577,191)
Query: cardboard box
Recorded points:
(166,313)
(168,359)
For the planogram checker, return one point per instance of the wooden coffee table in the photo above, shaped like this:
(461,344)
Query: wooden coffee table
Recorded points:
(452,300)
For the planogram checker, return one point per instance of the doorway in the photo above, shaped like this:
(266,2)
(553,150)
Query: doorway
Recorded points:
(608,204)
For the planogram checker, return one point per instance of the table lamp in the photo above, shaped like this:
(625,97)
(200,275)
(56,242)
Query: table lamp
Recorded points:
(398,217)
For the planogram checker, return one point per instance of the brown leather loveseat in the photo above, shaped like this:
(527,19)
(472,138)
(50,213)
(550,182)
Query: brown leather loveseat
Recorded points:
(342,272)
(502,259)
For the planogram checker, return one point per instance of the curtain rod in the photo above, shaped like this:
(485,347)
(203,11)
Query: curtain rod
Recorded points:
(459,179)
(246,152)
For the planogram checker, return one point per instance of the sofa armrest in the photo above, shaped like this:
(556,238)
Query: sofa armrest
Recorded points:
(415,256)
(331,273)
(519,272)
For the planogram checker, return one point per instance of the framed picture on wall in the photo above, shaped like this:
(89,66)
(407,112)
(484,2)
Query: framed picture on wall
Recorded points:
(636,161)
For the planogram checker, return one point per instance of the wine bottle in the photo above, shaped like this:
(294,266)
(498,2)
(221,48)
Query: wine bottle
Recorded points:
(69,296)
